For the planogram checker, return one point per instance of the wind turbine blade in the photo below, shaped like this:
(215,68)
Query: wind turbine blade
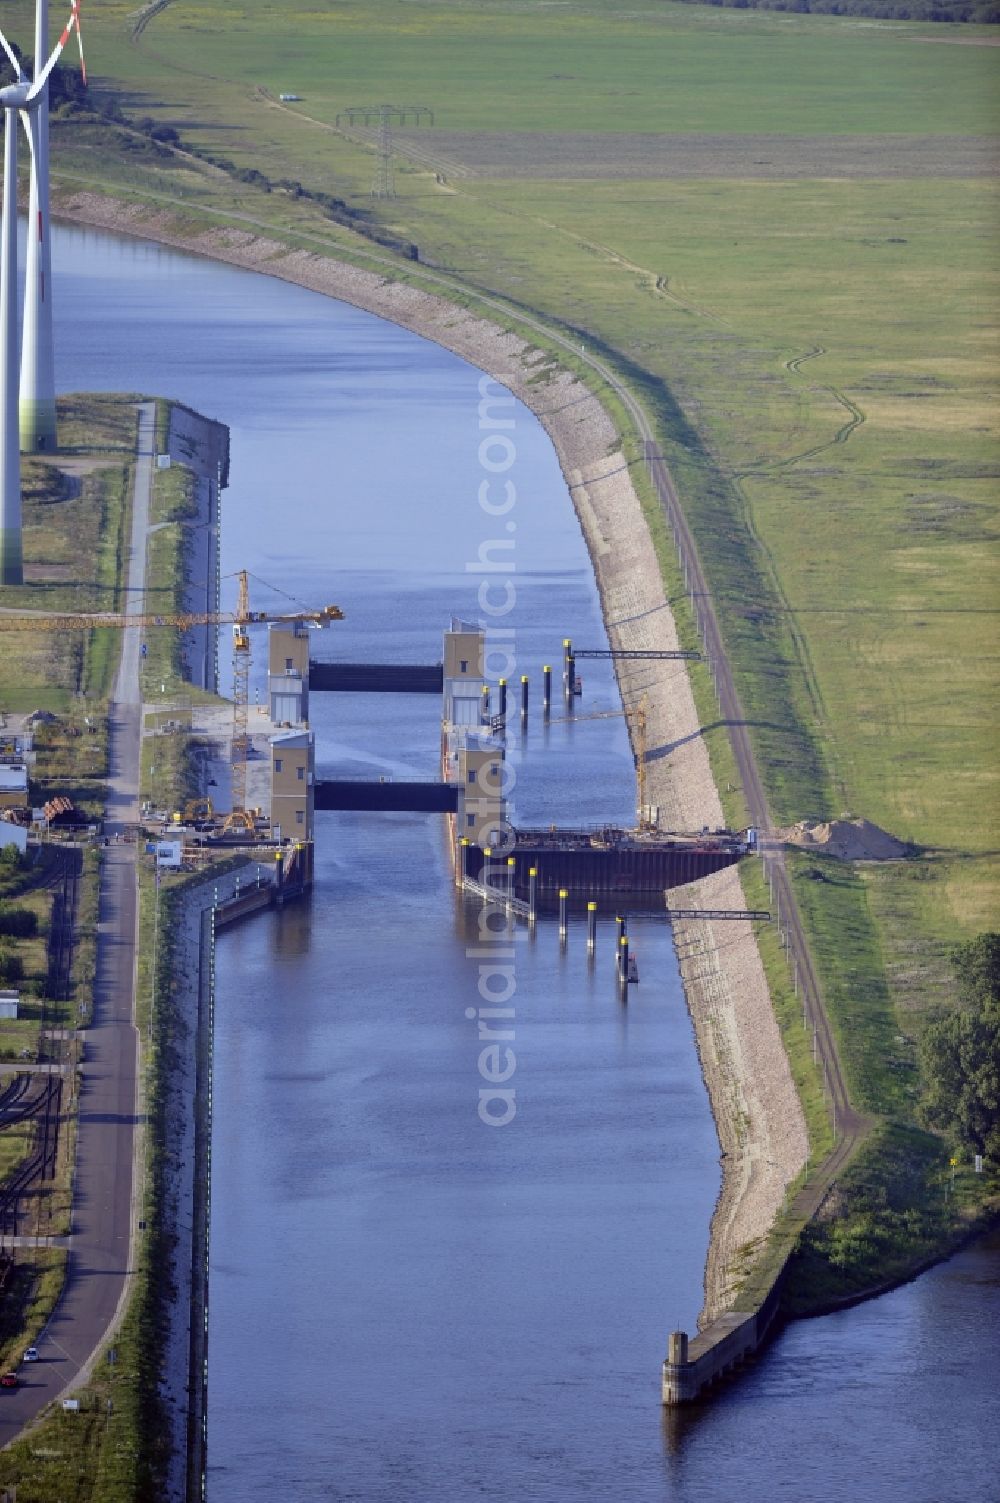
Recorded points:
(30,122)
(42,78)
(11,56)
(29,119)
(79,41)
(26,122)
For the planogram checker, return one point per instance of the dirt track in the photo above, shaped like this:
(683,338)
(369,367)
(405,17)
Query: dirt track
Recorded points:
(615,155)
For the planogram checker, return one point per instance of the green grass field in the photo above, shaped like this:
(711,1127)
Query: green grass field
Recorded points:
(601,65)
(74,515)
(819,353)
(875,543)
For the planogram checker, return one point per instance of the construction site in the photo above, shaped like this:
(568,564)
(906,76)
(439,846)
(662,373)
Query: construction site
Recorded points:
(261,793)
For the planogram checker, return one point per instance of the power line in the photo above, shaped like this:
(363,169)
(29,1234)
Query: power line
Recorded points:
(383,115)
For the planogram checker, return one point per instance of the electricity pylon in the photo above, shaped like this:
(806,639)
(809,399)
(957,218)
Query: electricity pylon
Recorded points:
(383,115)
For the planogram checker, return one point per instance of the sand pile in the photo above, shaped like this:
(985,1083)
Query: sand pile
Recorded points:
(847,839)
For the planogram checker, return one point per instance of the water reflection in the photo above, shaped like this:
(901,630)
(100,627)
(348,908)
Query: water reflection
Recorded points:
(291,930)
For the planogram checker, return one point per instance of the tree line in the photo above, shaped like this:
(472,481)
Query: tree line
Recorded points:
(960,1053)
(977,12)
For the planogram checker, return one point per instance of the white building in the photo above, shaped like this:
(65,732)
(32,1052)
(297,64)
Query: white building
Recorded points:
(15,835)
(13,785)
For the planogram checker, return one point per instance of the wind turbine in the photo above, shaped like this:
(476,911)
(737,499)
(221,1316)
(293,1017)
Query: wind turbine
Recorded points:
(26,98)
(38,385)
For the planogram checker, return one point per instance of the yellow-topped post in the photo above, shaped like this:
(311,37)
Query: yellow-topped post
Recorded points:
(623,960)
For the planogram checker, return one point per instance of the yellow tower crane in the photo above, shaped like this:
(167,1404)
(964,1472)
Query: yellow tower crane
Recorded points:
(240,620)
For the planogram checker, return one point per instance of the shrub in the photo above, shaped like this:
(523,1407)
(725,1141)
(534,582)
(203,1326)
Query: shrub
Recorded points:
(960,1052)
(20,923)
(11,967)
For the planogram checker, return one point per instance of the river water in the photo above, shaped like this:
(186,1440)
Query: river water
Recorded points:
(408,1304)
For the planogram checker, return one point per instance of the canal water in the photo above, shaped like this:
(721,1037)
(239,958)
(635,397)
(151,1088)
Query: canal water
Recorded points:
(409,1304)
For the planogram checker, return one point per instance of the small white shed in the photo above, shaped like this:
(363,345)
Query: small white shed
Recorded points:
(13,784)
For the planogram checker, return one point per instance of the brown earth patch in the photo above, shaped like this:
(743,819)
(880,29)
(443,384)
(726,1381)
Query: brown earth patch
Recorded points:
(48,573)
(581,154)
(960,41)
(847,839)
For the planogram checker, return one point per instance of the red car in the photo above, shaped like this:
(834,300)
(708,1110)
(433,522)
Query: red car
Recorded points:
(9,1380)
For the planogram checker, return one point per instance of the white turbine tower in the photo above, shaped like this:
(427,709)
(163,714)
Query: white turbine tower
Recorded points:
(38,382)
(26,98)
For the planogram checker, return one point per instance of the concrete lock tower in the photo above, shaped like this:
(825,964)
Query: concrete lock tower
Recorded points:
(27,99)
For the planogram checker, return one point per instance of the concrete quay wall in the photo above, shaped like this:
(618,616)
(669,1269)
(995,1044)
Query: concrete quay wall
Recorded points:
(694,1367)
(242,904)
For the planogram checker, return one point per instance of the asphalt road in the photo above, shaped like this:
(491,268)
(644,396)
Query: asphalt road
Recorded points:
(99,1259)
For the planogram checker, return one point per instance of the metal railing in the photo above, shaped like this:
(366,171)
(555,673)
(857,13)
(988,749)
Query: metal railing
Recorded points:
(497,895)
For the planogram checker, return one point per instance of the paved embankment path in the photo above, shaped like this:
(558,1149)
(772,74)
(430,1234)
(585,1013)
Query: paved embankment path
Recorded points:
(100,1246)
(851,1126)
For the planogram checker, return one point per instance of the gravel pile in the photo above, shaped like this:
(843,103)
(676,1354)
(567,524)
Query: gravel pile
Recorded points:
(847,839)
